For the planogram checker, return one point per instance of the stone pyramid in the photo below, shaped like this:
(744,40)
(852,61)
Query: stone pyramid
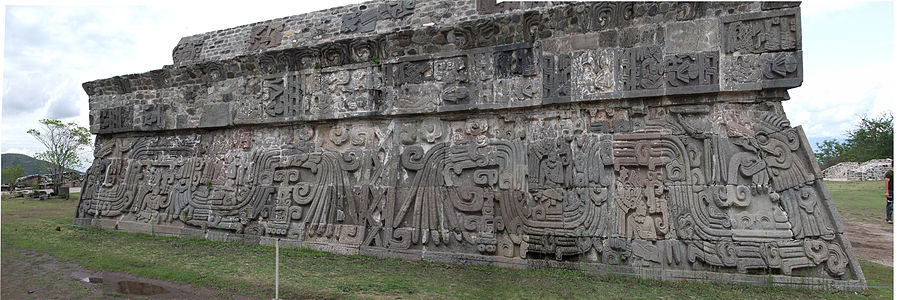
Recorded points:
(639,138)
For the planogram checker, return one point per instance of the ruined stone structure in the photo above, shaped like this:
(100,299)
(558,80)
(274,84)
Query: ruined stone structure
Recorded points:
(642,138)
(853,171)
(839,171)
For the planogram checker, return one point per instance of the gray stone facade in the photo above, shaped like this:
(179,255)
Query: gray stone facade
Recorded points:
(640,137)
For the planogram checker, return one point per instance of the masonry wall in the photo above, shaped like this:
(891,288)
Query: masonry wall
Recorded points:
(646,137)
(853,171)
(874,169)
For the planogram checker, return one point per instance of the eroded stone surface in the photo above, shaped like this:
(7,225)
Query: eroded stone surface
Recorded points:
(641,135)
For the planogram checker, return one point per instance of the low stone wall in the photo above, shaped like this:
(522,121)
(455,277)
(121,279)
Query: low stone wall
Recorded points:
(642,138)
(839,171)
(853,171)
(871,170)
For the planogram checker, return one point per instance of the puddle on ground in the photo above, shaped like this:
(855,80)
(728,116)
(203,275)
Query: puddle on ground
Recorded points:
(140,288)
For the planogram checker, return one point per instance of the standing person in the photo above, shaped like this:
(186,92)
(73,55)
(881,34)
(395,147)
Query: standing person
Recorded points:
(889,180)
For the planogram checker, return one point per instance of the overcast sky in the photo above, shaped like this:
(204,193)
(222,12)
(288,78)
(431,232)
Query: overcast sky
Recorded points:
(50,50)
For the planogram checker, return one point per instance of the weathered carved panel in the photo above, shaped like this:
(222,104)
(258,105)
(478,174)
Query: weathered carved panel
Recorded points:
(397,9)
(115,119)
(646,136)
(692,72)
(640,69)
(360,21)
(593,75)
(186,50)
(265,36)
(762,32)
(557,75)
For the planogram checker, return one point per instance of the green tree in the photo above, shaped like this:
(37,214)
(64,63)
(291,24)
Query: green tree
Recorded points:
(64,143)
(11,175)
(829,153)
(873,138)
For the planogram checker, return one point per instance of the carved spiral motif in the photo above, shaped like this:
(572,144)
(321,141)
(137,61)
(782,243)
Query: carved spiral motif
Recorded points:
(304,132)
(685,11)
(459,37)
(268,63)
(675,171)
(476,127)
(431,130)
(661,226)
(742,196)
(770,254)
(727,253)
(532,24)
(334,54)
(359,137)
(837,260)
(302,193)
(485,177)
(295,212)
(363,51)
(817,251)
(288,175)
(350,160)
(339,135)
(413,158)
(604,17)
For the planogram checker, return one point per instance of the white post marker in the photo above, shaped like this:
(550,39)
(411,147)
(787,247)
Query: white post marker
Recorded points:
(277,269)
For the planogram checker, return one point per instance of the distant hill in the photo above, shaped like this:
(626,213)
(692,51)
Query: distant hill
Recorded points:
(29,164)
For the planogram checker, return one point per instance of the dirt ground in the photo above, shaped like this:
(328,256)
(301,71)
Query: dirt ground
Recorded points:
(28,275)
(873,242)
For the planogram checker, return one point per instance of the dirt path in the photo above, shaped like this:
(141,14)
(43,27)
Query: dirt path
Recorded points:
(873,242)
(28,275)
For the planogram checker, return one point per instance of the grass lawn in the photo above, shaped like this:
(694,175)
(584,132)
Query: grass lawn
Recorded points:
(248,269)
(859,200)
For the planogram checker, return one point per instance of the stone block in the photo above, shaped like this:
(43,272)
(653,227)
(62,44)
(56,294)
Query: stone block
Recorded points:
(692,36)
(216,115)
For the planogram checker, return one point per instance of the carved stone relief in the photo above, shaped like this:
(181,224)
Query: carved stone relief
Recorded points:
(115,119)
(285,96)
(762,32)
(265,36)
(557,75)
(397,9)
(359,21)
(497,139)
(187,49)
(692,70)
(593,74)
(640,68)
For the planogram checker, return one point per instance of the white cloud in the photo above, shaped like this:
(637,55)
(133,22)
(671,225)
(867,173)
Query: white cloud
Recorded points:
(831,101)
(25,151)
(50,50)
(822,7)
